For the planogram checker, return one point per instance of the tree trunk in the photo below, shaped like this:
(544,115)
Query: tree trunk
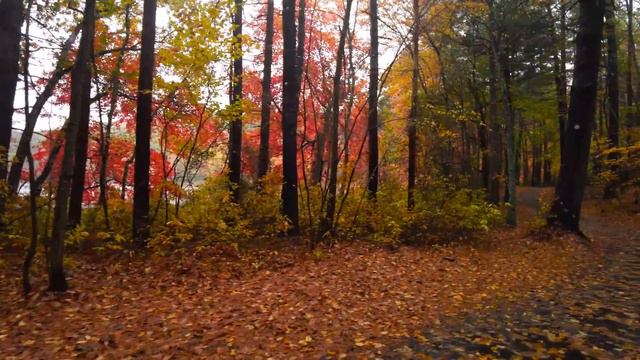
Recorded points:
(302,6)
(613,137)
(82,142)
(57,281)
(11,16)
(372,119)
(495,151)
(326,223)
(560,75)
(265,109)
(546,166)
(106,139)
(290,104)
(141,225)
(413,115)
(573,171)
(30,123)
(319,162)
(511,137)
(632,65)
(235,129)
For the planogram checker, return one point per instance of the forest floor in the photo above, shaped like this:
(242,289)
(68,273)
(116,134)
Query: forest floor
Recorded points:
(513,295)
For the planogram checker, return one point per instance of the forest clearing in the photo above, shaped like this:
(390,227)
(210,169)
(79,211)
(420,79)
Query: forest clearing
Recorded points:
(303,179)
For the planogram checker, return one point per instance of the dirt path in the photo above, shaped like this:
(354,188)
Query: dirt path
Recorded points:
(597,318)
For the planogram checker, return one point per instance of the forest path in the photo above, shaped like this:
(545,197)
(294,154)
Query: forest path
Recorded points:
(598,317)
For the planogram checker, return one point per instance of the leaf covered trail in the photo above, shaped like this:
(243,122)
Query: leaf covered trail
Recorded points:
(353,302)
(596,317)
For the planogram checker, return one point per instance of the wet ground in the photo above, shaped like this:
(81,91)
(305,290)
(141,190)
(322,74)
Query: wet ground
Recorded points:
(597,318)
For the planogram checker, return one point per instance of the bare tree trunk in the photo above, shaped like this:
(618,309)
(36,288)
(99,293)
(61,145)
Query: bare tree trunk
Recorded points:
(57,281)
(290,104)
(560,69)
(321,140)
(265,110)
(511,137)
(141,224)
(573,171)
(31,252)
(302,6)
(495,151)
(11,17)
(372,122)
(632,67)
(326,222)
(413,115)
(235,130)
(82,142)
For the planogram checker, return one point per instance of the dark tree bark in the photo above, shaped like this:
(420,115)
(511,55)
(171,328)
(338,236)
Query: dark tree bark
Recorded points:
(495,151)
(632,66)
(141,225)
(565,211)
(265,110)
(372,120)
(11,16)
(290,103)
(235,129)
(483,138)
(319,161)
(57,281)
(613,106)
(560,69)
(302,6)
(82,141)
(546,166)
(326,223)
(511,137)
(413,115)
(30,123)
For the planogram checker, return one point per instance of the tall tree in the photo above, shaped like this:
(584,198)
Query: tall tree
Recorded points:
(302,6)
(372,124)
(612,87)
(82,142)
(495,132)
(632,67)
(11,16)
(413,115)
(141,230)
(560,69)
(512,156)
(57,281)
(290,103)
(265,110)
(105,138)
(326,223)
(566,207)
(235,129)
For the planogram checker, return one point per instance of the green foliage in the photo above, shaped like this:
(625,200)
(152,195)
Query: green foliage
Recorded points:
(443,213)
(209,217)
